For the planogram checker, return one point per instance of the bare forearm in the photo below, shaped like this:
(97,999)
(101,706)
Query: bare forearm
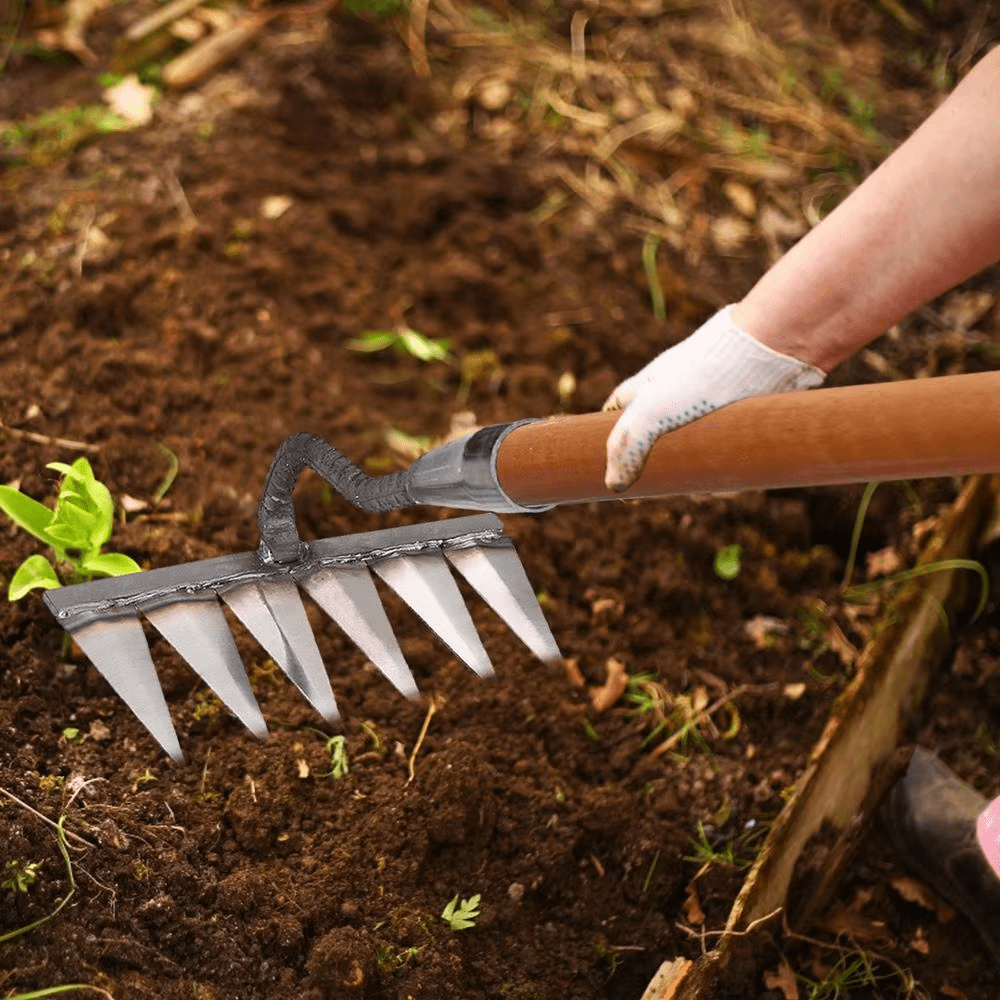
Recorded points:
(925,220)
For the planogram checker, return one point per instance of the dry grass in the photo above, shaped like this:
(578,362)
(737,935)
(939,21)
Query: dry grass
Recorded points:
(711,124)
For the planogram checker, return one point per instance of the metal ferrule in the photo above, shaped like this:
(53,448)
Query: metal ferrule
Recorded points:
(463,474)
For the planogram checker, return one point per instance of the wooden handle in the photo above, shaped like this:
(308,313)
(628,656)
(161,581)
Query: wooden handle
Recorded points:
(868,433)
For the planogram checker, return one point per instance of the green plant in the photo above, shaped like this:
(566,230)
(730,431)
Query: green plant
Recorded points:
(336,747)
(727,562)
(649,247)
(852,970)
(707,854)
(50,991)
(459,916)
(19,876)
(64,851)
(863,590)
(404,340)
(75,529)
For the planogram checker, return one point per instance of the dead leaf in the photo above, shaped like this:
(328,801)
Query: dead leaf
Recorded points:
(840,644)
(604,697)
(303,768)
(920,943)
(573,675)
(761,627)
(794,691)
(783,979)
(850,922)
(953,991)
(914,891)
(884,562)
(274,206)
(730,233)
(741,198)
(693,912)
(131,101)
(99,731)
(131,505)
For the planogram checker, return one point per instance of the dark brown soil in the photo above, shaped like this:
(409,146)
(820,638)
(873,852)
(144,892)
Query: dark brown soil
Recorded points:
(200,327)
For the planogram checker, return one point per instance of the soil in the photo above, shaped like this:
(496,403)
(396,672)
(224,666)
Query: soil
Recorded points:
(153,310)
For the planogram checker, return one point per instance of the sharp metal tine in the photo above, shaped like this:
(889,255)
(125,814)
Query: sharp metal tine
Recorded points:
(426,584)
(349,597)
(117,647)
(499,577)
(198,630)
(273,612)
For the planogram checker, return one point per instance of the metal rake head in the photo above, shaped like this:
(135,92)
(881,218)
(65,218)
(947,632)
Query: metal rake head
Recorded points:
(263,589)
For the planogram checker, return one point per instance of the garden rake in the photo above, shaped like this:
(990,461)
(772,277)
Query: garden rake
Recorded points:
(929,427)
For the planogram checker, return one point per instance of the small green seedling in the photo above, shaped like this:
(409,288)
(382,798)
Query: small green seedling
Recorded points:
(75,529)
(336,747)
(405,340)
(19,876)
(727,562)
(460,916)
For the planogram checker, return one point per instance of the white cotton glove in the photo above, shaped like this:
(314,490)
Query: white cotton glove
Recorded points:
(718,364)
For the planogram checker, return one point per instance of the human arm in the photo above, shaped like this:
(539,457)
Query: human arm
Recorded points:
(926,219)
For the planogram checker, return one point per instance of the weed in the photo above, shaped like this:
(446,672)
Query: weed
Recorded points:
(404,340)
(649,874)
(64,851)
(864,590)
(75,529)
(851,971)
(336,747)
(707,854)
(58,132)
(388,958)
(50,991)
(73,735)
(19,876)
(378,744)
(459,916)
(727,563)
(649,248)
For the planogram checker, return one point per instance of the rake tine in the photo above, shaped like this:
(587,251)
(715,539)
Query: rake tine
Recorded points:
(349,597)
(117,646)
(425,583)
(499,578)
(198,630)
(272,611)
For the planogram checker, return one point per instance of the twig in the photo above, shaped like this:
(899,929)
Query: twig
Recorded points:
(45,819)
(578,43)
(431,709)
(749,929)
(59,442)
(415,38)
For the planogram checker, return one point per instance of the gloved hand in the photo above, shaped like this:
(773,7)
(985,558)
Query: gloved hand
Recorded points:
(718,364)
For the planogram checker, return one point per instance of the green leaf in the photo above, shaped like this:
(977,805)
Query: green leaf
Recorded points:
(460,916)
(423,348)
(34,573)
(67,536)
(26,513)
(374,340)
(727,562)
(109,564)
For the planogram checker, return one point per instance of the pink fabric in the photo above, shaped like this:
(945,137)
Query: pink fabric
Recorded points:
(988,831)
